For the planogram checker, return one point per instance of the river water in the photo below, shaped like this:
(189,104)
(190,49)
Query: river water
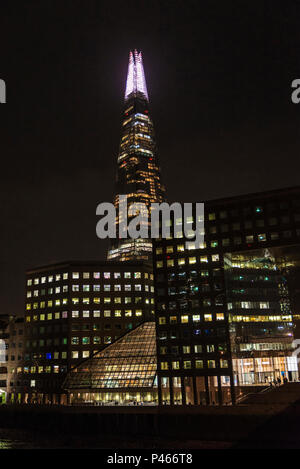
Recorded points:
(19,439)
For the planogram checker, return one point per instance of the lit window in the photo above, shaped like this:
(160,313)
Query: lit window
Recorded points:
(196,317)
(224,363)
(262,237)
(199,363)
(207,317)
(192,260)
(164,366)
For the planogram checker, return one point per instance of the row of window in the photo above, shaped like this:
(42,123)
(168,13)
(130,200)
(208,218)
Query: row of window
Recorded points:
(188,275)
(225,242)
(87,288)
(186,333)
(188,364)
(86,314)
(88,275)
(185,304)
(187,349)
(88,300)
(255,210)
(189,260)
(285,219)
(184,319)
(75,354)
(75,340)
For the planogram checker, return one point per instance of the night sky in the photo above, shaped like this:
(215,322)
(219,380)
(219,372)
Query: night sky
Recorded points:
(219,77)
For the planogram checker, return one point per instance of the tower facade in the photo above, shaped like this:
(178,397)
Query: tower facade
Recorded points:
(138,173)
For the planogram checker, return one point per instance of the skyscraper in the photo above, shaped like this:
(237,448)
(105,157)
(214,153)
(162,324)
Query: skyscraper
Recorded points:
(138,174)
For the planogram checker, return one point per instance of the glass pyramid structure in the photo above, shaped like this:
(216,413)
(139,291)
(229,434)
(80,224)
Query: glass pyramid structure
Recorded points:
(129,363)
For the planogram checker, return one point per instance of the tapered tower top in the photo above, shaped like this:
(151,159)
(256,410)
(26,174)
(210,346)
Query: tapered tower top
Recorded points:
(136,83)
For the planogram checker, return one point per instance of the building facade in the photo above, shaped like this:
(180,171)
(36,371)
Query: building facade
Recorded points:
(224,309)
(138,173)
(74,309)
(11,357)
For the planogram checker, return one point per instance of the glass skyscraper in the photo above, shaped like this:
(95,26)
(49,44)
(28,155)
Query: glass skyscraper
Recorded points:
(138,173)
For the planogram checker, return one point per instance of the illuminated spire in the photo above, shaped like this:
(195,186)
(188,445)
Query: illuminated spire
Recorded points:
(136,82)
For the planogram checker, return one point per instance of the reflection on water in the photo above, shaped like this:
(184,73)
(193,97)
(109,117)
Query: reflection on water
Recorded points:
(12,444)
(16,439)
